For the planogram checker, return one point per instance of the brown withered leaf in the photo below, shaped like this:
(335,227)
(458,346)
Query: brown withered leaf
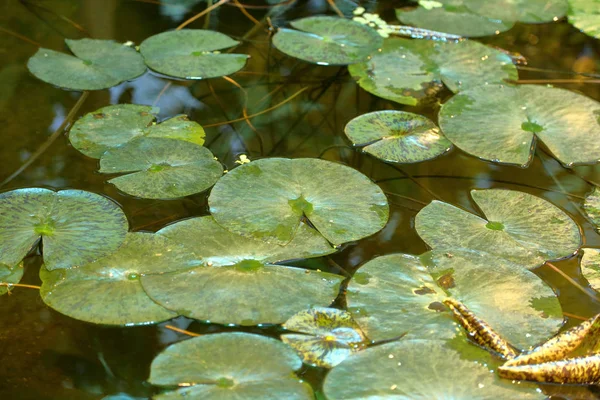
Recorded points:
(479,331)
(582,370)
(583,337)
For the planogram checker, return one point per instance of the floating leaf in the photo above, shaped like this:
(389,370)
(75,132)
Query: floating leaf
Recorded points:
(328,336)
(108,291)
(328,40)
(499,123)
(76,227)
(267,199)
(191,54)
(419,369)
(397,136)
(10,275)
(585,16)
(229,366)
(220,247)
(161,168)
(406,70)
(238,285)
(481,17)
(590,267)
(396,294)
(118,124)
(479,331)
(98,64)
(592,207)
(517,226)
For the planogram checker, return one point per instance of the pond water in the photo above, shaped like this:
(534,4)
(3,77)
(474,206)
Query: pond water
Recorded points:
(46,355)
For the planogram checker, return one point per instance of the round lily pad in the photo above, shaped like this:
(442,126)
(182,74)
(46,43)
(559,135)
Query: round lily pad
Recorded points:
(592,207)
(246,293)
(328,40)
(585,16)
(406,70)
(108,291)
(397,136)
(76,227)
(267,198)
(480,17)
(327,336)
(419,369)
(229,366)
(10,275)
(115,125)
(590,267)
(191,54)
(161,168)
(98,64)
(517,226)
(220,247)
(499,123)
(401,294)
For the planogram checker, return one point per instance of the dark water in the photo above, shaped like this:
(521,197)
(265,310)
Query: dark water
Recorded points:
(44,355)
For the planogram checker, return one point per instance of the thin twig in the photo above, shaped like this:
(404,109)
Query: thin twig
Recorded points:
(50,140)
(162,91)
(10,285)
(246,13)
(200,14)
(571,280)
(176,329)
(18,35)
(335,8)
(574,316)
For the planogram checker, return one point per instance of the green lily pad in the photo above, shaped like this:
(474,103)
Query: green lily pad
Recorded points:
(220,247)
(592,207)
(590,267)
(328,40)
(406,69)
(420,369)
(397,136)
(191,54)
(161,168)
(401,294)
(327,336)
(229,366)
(98,64)
(118,124)
(267,198)
(480,17)
(585,16)
(76,227)
(517,226)
(10,275)
(108,291)
(499,123)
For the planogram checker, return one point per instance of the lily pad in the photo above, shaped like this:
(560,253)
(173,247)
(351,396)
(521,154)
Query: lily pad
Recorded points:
(517,226)
(327,336)
(592,207)
(98,64)
(118,124)
(266,199)
(76,227)
(401,294)
(10,275)
(419,369)
(590,267)
(220,247)
(328,40)
(499,123)
(191,54)
(406,70)
(108,291)
(229,366)
(481,17)
(397,136)
(161,168)
(585,16)
(237,286)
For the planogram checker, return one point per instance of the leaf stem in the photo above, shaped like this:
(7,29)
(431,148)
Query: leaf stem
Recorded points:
(176,329)
(200,14)
(571,280)
(10,285)
(19,36)
(574,316)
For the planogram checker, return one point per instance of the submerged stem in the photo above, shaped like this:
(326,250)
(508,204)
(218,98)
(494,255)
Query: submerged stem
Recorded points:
(174,328)
(571,280)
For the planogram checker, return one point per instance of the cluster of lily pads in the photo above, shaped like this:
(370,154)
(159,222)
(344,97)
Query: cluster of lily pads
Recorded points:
(398,337)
